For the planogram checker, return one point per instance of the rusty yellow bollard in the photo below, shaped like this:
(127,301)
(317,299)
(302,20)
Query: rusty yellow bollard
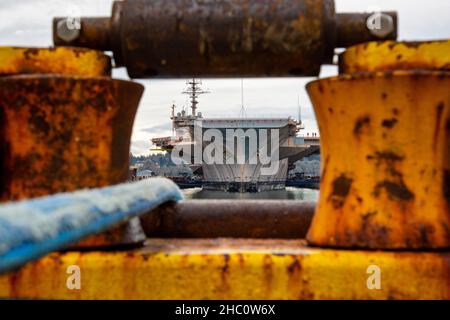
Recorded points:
(64,125)
(62,133)
(385,139)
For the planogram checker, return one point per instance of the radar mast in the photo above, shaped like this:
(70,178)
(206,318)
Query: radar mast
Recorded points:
(194,91)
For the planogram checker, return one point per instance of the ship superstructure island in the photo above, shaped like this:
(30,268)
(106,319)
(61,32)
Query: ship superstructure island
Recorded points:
(249,154)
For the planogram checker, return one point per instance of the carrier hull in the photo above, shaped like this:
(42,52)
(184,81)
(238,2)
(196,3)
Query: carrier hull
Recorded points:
(244,177)
(244,186)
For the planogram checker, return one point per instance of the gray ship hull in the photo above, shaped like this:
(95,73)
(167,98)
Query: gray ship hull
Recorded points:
(244,186)
(243,177)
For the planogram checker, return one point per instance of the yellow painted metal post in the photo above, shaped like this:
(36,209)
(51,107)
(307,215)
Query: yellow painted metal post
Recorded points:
(64,125)
(62,133)
(385,139)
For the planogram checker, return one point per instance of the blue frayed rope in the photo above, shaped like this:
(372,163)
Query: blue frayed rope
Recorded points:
(30,229)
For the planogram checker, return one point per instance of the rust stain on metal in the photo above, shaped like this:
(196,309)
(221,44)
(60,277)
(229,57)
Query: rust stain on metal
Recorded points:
(389,123)
(362,122)
(446,186)
(268,272)
(324,169)
(341,188)
(371,231)
(439,111)
(295,266)
(386,157)
(395,190)
(224,274)
(226,260)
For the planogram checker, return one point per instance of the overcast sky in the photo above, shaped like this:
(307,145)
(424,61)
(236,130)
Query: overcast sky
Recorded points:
(28,23)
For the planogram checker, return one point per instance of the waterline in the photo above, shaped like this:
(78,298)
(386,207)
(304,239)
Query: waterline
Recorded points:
(290,193)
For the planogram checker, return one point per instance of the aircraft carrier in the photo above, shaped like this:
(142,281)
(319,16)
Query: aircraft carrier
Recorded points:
(245,176)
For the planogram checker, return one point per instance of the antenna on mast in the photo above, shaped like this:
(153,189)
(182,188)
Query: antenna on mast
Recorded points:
(194,90)
(173,117)
(173,107)
(300,123)
(242,113)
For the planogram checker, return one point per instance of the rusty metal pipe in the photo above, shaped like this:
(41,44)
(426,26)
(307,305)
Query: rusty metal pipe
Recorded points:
(352,28)
(91,30)
(223,218)
(223,37)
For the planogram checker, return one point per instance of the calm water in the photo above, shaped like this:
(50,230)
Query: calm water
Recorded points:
(290,193)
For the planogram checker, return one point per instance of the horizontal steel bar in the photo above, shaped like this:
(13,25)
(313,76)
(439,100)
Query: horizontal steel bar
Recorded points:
(286,219)
(223,37)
